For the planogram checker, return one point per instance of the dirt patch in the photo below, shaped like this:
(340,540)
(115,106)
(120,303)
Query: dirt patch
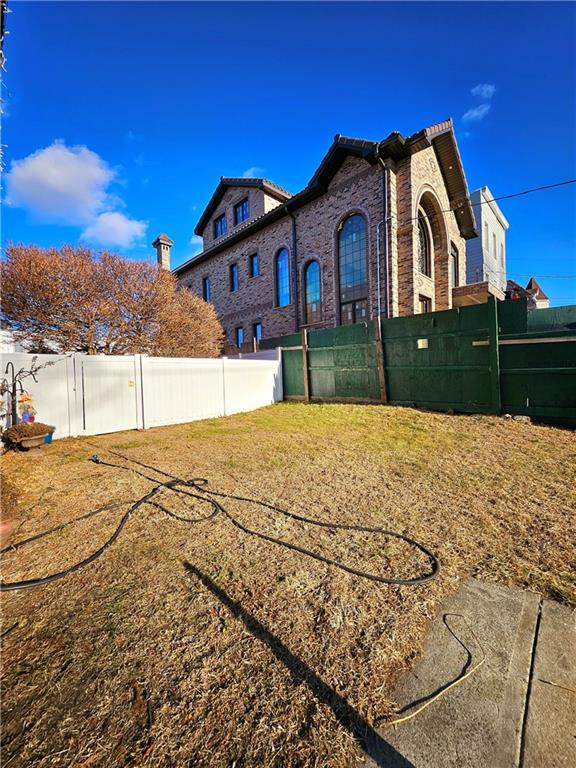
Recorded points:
(195,645)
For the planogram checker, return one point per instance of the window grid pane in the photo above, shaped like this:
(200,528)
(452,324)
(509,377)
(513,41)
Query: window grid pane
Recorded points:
(206,293)
(282,279)
(241,211)
(254,265)
(220,226)
(353,269)
(239,337)
(257,331)
(234,277)
(312,280)
(424,260)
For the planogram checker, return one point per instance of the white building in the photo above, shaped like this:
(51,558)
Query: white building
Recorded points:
(486,254)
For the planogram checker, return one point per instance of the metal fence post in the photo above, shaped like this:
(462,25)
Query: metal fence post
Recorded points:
(305,371)
(380,361)
(494,355)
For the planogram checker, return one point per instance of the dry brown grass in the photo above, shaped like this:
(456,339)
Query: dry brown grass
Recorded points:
(200,646)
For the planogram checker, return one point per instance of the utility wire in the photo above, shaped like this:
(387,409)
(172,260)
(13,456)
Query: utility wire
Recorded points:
(540,277)
(493,200)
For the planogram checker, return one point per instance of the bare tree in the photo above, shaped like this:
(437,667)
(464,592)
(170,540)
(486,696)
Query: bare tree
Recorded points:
(73,299)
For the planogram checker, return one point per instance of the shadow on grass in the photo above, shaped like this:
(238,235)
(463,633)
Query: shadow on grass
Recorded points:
(383,754)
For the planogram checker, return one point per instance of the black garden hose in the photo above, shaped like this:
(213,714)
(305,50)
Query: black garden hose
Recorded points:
(197,489)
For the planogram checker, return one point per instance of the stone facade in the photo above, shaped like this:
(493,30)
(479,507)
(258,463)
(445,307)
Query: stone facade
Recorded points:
(309,231)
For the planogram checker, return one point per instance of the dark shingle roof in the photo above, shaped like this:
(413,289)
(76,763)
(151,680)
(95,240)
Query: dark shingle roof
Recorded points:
(440,136)
(225,182)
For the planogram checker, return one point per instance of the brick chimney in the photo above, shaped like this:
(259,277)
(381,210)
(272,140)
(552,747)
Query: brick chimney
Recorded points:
(163,244)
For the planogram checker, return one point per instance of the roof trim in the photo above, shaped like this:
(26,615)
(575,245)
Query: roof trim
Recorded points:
(274,190)
(440,136)
(445,146)
(341,148)
(493,205)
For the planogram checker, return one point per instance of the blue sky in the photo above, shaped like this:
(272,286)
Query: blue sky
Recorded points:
(145,105)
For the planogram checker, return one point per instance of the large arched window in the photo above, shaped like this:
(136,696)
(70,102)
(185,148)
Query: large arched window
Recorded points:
(312,290)
(353,270)
(424,245)
(282,278)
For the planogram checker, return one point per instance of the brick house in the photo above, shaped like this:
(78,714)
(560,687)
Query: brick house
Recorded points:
(380,229)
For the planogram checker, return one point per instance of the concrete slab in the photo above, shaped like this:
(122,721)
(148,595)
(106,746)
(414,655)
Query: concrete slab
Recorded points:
(550,732)
(479,723)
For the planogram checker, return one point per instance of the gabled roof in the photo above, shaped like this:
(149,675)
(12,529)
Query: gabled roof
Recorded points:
(493,205)
(440,136)
(228,181)
(534,288)
(395,146)
(341,148)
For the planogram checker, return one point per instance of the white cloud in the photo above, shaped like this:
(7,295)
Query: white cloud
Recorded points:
(70,185)
(60,183)
(114,229)
(197,243)
(253,172)
(484,91)
(476,114)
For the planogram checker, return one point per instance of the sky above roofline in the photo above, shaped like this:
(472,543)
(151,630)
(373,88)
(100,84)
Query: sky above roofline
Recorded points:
(143,106)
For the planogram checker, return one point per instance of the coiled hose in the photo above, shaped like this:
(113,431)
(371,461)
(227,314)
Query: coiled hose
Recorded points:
(197,488)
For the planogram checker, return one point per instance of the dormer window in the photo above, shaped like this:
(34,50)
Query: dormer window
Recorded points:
(220,226)
(241,211)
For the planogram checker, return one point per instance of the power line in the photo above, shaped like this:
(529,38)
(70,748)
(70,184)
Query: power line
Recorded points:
(494,199)
(527,274)
(528,191)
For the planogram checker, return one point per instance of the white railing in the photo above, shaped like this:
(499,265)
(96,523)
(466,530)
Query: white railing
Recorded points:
(94,394)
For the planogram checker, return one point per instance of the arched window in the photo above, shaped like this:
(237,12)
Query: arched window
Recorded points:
(282,278)
(312,288)
(353,270)
(424,246)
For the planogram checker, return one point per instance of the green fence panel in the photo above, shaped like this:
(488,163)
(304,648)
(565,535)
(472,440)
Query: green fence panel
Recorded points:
(432,360)
(488,358)
(343,363)
(512,316)
(292,373)
(292,340)
(555,319)
(538,361)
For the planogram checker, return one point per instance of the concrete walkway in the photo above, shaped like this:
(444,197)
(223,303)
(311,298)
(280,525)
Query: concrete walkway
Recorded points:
(518,710)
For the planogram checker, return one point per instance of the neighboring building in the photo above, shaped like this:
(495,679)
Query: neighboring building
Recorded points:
(486,254)
(542,301)
(379,230)
(533,294)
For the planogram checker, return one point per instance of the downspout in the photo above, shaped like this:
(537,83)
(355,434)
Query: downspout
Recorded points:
(385,187)
(294,270)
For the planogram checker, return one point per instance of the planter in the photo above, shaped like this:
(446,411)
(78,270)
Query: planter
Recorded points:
(32,442)
(25,436)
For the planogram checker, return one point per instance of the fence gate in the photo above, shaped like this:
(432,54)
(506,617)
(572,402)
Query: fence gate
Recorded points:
(342,364)
(110,387)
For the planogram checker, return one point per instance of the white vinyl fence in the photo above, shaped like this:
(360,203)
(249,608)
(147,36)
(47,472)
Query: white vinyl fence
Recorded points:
(94,394)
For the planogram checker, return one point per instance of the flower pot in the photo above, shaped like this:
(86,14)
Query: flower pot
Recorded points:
(32,442)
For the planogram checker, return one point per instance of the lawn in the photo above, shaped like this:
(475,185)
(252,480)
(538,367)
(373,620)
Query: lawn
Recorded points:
(199,645)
